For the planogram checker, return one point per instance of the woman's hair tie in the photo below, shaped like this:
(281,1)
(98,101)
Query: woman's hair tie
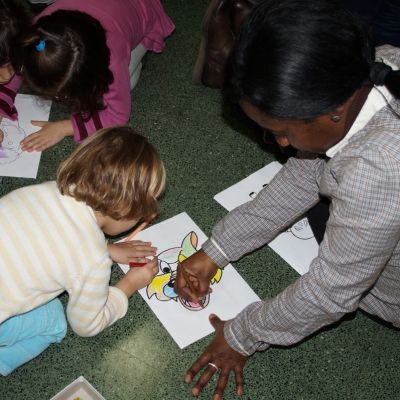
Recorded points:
(378,73)
(41,45)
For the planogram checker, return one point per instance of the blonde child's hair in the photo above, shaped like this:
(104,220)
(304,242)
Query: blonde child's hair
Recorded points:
(116,172)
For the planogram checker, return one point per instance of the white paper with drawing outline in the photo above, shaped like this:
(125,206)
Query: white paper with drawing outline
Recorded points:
(178,238)
(14,161)
(297,245)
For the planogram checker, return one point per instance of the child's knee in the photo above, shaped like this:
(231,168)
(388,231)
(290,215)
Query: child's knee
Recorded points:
(27,335)
(47,320)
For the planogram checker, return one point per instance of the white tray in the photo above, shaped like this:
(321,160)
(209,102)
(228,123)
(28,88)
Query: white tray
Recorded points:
(79,389)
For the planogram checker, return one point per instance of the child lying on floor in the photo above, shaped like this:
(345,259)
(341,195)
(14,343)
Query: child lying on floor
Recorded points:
(52,240)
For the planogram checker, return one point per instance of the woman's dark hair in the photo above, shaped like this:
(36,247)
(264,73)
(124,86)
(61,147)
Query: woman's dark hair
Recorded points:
(65,57)
(15,19)
(299,59)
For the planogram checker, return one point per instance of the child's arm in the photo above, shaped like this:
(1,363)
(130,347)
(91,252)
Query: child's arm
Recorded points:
(138,277)
(131,251)
(94,305)
(7,97)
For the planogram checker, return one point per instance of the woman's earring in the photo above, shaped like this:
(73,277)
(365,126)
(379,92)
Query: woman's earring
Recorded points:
(335,118)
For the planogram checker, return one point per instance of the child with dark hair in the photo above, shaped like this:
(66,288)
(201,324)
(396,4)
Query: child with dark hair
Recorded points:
(87,55)
(15,18)
(109,184)
(306,71)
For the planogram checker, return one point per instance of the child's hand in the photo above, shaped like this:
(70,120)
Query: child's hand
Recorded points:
(142,276)
(138,277)
(132,251)
(50,134)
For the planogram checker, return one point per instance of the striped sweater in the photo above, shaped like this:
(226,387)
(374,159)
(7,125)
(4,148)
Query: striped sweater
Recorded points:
(50,244)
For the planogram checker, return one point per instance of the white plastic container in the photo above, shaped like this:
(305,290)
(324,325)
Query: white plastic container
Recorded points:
(79,389)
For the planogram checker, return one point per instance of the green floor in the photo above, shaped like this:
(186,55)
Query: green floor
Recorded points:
(203,153)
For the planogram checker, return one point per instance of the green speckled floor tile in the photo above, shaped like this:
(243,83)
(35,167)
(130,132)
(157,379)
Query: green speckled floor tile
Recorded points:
(205,150)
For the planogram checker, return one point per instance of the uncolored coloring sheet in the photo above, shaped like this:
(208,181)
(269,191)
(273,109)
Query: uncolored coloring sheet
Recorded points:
(14,161)
(297,245)
(176,239)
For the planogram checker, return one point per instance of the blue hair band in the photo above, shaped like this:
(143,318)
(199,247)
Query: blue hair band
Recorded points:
(41,45)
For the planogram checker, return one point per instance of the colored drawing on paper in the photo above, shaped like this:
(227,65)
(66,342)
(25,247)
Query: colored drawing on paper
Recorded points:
(13,135)
(177,238)
(162,286)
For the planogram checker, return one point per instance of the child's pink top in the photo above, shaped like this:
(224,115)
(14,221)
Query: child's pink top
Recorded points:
(8,92)
(127,23)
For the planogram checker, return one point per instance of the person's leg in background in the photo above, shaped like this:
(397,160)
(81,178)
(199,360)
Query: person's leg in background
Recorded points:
(364,8)
(25,336)
(135,64)
(387,23)
(219,27)
(383,16)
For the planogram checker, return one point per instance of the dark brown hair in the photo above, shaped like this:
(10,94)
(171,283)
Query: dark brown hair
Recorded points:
(116,172)
(299,59)
(15,19)
(73,65)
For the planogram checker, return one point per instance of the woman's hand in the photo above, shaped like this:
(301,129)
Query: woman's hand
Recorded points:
(131,251)
(218,358)
(50,134)
(199,269)
(138,277)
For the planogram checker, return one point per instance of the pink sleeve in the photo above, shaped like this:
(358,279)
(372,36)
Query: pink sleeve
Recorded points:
(117,101)
(7,98)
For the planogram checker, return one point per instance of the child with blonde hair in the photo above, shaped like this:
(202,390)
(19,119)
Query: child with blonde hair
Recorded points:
(107,186)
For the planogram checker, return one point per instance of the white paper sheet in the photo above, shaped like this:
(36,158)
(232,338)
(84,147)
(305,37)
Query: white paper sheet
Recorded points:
(297,246)
(187,323)
(14,161)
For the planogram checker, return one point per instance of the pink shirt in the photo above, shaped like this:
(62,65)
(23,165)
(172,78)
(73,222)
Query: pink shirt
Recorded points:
(8,92)
(127,23)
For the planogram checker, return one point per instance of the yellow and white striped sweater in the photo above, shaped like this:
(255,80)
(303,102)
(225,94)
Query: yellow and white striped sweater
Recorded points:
(50,243)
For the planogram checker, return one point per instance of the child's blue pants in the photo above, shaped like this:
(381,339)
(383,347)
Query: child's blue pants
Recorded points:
(25,336)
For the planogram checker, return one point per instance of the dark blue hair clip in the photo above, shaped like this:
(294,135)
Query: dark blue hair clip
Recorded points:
(41,45)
